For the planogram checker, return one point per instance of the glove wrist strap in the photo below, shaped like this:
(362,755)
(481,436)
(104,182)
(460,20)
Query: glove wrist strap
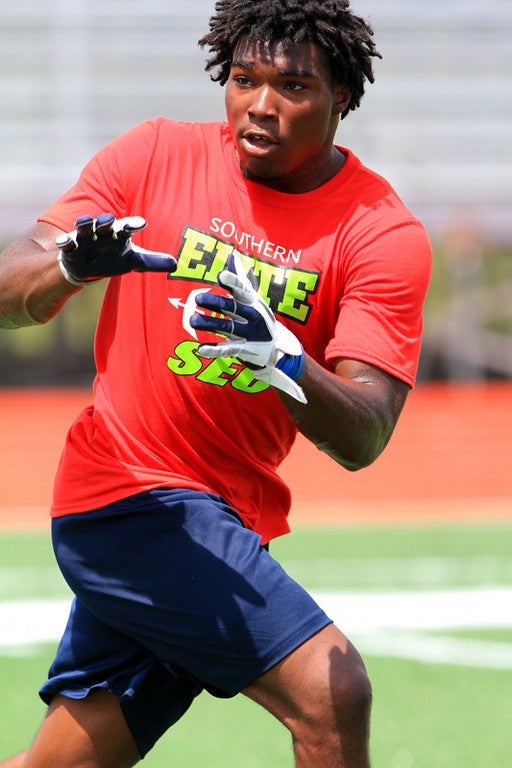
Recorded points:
(291,365)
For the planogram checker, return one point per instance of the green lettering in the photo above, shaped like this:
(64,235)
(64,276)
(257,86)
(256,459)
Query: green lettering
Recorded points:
(286,290)
(195,254)
(269,276)
(186,362)
(220,258)
(245,382)
(220,371)
(298,286)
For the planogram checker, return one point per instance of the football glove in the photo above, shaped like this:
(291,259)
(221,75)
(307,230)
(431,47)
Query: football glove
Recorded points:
(102,247)
(255,337)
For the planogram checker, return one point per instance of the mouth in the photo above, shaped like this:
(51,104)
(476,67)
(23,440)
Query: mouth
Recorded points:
(258,143)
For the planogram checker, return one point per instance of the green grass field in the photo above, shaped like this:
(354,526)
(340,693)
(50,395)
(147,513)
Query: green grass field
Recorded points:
(429,608)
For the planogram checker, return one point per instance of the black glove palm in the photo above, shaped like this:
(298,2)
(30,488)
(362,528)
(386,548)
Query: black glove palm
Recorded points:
(102,247)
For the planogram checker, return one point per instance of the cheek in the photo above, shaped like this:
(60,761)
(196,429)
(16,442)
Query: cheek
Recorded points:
(309,130)
(312,121)
(230,104)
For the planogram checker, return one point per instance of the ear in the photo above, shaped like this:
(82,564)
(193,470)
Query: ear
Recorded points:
(342,96)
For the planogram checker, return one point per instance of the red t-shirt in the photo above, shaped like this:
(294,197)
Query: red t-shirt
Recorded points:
(345,267)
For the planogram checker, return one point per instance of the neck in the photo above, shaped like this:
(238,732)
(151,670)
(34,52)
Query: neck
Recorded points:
(303,179)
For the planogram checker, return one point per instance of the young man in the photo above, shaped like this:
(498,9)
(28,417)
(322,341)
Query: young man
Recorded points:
(294,302)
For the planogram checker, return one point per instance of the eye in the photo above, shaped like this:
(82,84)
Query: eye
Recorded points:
(242,80)
(294,86)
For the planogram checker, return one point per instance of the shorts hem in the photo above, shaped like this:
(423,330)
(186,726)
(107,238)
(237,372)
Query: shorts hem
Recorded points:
(283,650)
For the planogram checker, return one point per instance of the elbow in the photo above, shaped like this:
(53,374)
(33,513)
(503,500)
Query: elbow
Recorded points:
(13,318)
(354,464)
(358,455)
(351,461)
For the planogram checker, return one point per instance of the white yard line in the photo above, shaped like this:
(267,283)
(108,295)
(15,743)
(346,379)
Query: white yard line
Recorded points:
(391,624)
(419,609)
(403,624)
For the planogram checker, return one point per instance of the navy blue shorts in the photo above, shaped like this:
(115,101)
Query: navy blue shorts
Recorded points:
(173,595)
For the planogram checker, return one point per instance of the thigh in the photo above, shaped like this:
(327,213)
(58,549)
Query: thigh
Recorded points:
(94,658)
(176,571)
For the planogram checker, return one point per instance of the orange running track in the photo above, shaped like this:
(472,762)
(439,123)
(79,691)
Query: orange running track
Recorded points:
(450,458)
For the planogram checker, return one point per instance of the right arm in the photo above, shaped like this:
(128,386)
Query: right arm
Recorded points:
(32,288)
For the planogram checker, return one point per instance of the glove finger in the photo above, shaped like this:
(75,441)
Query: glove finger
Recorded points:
(227,305)
(67,242)
(222,349)
(152,261)
(213,350)
(103,225)
(223,325)
(235,267)
(241,289)
(248,303)
(216,303)
(129,224)
(252,358)
(124,228)
(84,228)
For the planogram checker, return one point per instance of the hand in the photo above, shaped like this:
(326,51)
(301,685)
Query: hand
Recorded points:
(102,247)
(268,348)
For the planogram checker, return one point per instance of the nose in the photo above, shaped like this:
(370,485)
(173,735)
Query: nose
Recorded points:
(263,104)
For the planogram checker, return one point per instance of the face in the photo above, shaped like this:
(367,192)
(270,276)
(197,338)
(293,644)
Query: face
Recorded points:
(283,110)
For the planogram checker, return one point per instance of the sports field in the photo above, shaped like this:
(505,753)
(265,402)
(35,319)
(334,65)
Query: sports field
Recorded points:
(412,558)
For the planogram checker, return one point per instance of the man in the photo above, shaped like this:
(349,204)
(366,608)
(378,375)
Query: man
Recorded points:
(294,302)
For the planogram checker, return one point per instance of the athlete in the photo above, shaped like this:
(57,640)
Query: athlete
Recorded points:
(278,286)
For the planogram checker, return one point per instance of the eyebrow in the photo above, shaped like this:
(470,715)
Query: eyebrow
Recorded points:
(296,73)
(241,63)
(244,64)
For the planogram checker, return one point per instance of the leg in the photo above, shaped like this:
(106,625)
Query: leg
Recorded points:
(16,761)
(322,694)
(88,733)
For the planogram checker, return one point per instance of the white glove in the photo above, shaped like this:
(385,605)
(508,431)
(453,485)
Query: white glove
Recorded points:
(269,349)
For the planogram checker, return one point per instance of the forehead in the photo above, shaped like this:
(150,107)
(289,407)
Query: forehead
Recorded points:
(305,58)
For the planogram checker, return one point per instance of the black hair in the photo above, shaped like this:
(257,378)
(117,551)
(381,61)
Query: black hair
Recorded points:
(346,39)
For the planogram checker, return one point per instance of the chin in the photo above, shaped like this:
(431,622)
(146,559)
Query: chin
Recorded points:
(263,175)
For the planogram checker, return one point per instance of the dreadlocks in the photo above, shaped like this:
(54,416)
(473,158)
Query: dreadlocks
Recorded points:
(346,39)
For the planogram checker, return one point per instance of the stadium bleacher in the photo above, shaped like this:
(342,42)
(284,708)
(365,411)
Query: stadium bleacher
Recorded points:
(436,123)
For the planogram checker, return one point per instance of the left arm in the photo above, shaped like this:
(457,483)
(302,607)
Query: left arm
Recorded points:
(350,414)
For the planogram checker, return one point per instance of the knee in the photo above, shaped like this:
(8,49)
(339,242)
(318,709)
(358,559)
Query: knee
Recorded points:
(333,727)
(341,705)
(351,696)
(337,730)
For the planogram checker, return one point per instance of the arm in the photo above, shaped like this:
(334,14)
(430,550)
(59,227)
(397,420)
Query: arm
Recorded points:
(32,288)
(37,276)
(350,414)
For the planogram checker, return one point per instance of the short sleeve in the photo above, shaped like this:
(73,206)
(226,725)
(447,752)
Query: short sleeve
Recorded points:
(385,282)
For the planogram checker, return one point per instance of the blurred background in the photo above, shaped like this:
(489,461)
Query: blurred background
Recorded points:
(414,552)
(437,123)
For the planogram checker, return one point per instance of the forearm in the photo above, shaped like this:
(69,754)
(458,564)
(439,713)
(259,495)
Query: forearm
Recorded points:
(32,289)
(349,415)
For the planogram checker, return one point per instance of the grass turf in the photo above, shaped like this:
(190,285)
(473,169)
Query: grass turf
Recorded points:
(425,714)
